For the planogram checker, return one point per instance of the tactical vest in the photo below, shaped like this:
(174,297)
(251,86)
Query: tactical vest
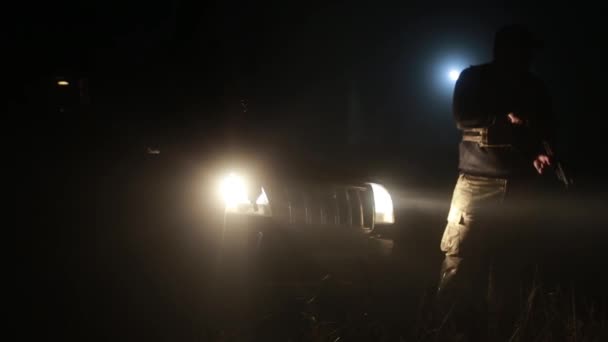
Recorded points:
(494,135)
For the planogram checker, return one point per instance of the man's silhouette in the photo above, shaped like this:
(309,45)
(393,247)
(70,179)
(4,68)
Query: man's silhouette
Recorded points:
(504,114)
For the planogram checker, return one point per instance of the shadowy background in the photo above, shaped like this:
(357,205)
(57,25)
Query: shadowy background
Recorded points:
(109,237)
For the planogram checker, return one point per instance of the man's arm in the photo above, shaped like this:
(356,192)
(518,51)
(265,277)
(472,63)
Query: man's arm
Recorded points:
(542,129)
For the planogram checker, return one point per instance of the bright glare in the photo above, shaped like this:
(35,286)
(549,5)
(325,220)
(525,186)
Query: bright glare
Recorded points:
(383,204)
(63,83)
(234,190)
(454,74)
(262,199)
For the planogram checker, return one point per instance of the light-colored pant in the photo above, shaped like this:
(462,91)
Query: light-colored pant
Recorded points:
(475,223)
(475,201)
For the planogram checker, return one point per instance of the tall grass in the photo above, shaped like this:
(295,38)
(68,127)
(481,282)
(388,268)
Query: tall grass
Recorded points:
(545,314)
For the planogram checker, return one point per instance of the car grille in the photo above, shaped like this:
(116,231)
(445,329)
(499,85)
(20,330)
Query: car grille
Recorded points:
(323,205)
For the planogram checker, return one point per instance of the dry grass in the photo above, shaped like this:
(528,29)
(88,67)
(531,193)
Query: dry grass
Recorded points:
(556,314)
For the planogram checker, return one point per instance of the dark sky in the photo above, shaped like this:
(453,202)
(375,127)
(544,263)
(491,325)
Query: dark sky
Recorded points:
(368,73)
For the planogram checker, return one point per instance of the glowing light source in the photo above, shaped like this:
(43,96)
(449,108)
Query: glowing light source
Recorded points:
(63,83)
(233,189)
(262,199)
(454,74)
(383,204)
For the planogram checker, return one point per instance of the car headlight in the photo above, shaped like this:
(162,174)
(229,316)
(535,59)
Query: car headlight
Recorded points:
(234,190)
(383,205)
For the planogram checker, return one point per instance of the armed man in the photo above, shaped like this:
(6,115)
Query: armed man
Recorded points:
(504,114)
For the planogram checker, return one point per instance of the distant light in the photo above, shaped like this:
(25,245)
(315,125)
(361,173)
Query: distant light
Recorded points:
(153,151)
(63,83)
(454,74)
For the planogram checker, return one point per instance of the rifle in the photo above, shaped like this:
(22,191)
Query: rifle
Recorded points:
(557,166)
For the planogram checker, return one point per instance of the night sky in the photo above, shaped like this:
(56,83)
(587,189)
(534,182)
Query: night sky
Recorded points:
(353,80)
(344,73)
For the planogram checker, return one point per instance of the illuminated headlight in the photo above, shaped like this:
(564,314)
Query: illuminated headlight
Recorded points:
(383,205)
(234,190)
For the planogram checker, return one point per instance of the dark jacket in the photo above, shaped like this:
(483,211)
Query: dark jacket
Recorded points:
(483,97)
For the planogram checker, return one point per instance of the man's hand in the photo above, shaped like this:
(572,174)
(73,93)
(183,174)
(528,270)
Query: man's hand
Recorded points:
(541,162)
(515,120)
